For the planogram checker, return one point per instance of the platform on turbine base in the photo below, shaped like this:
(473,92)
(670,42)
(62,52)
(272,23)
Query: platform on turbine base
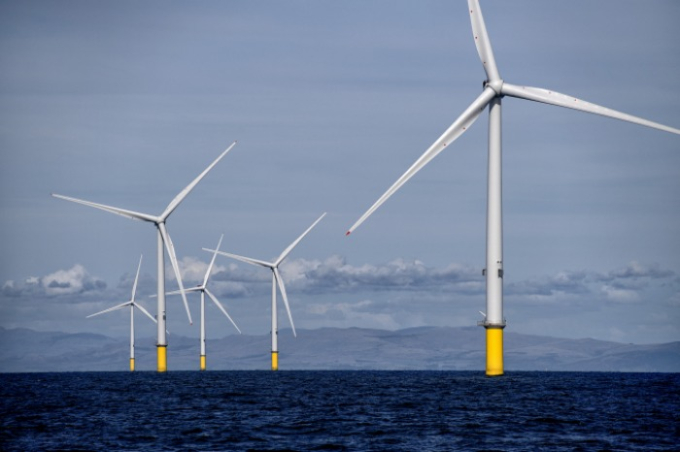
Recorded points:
(491,325)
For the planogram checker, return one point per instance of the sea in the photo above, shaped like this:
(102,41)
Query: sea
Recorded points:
(339,410)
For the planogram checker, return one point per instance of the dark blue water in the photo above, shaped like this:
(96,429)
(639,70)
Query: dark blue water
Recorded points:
(363,411)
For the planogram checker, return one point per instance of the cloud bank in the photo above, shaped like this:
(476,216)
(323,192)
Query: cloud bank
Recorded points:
(637,302)
(73,281)
(334,275)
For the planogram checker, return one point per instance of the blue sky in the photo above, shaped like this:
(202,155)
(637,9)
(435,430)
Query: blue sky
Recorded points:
(125,103)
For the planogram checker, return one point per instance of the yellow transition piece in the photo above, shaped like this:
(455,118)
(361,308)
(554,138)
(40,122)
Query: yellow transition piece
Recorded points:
(494,351)
(162,358)
(275,360)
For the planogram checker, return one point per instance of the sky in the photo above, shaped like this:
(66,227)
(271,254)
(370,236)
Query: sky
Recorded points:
(124,103)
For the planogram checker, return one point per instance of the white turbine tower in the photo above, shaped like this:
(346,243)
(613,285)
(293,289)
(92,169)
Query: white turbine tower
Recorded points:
(276,280)
(203,289)
(133,304)
(495,88)
(163,240)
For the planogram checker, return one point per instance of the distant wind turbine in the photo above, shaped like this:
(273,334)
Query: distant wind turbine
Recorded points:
(495,88)
(163,240)
(133,304)
(276,280)
(203,289)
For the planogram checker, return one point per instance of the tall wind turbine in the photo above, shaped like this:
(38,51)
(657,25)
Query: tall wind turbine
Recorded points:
(203,289)
(133,304)
(276,280)
(495,88)
(163,240)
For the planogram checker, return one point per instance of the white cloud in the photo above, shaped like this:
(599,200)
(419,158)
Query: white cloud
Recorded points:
(229,289)
(335,274)
(71,281)
(193,269)
(625,285)
(9,289)
(75,280)
(635,270)
(619,295)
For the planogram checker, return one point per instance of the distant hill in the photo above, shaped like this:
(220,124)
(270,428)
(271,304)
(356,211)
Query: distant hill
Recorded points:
(424,348)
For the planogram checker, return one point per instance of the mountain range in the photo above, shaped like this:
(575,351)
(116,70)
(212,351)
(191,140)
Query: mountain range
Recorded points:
(422,348)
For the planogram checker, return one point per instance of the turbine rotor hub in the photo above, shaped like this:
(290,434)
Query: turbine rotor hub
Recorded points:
(495,85)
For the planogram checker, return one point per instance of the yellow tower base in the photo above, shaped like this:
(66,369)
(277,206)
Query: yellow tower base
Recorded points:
(275,360)
(494,351)
(132,364)
(162,358)
(202,362)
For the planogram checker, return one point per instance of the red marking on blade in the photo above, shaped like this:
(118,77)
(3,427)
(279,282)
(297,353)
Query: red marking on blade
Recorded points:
(348,233)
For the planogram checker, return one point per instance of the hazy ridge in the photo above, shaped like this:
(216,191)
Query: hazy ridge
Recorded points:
(424,348)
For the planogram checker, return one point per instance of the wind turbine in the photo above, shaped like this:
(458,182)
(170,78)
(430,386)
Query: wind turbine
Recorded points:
(276,280)
(133,304)
(163,240)
(495,88)
(203,289)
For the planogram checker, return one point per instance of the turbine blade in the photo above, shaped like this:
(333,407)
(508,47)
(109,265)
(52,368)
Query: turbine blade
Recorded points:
(224,311)
(134,286)
(461,124)
(482,41)
(175,265)
(282,288)
(123,212)
(183,194)
(247,260)
(141,308)
(295,243)
(118,306)
(562,100)
(212,262)
(177,292)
